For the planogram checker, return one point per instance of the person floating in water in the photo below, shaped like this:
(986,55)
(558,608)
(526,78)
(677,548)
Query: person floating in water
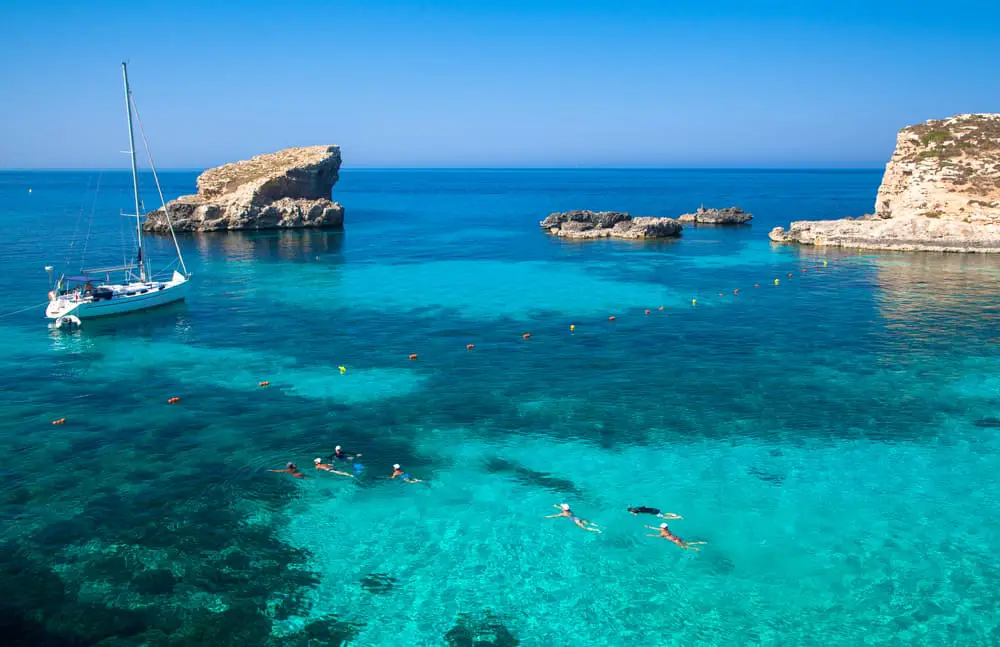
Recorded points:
(403,475)
(340,455)
(655,511)
(320,465)
(566,512)
(664,532)
(290,469)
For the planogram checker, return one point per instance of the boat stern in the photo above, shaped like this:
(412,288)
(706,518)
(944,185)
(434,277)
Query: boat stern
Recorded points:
(60,308)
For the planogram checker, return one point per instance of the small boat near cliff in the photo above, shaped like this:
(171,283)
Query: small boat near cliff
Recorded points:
(95,292)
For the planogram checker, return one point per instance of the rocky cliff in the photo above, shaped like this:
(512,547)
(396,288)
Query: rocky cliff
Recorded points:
(609,224)
(940,192)
(287,189)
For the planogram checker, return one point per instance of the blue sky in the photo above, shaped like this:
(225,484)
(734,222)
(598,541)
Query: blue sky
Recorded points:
(404,84)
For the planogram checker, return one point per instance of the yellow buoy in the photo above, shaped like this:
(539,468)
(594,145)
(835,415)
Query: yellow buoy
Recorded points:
(776,281)
(694,302)
(824,263)
(572,327)
(342,369)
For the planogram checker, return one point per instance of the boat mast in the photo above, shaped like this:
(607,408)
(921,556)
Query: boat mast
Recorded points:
(135,175)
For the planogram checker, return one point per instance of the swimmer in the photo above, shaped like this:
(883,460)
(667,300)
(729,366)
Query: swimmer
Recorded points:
(320,465)
(403,475)
(664,532)
(340,455)
(646,510)
(566,512)
(290,469)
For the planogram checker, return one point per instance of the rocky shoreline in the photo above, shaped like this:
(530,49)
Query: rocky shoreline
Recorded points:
(288,189)
(940,192)
(584,224)
(609,224)
(726,216)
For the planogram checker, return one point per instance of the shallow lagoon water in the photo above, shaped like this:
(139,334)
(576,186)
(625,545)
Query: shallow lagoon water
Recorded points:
(833,438)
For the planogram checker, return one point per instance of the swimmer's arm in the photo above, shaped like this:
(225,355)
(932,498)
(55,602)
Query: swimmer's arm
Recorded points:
(669,515)
(553,516)
(342,473)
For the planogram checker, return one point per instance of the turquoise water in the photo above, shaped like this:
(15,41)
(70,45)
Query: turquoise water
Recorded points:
(834,438)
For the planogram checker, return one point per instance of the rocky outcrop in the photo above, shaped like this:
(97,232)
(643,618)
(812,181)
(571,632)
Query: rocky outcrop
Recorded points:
(940,192)
(727,216)
(283,190)
(609,224)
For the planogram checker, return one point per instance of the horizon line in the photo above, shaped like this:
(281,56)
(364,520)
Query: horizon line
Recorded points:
(193,169)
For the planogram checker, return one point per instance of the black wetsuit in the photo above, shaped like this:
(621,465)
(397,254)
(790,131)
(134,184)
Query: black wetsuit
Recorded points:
(644,510)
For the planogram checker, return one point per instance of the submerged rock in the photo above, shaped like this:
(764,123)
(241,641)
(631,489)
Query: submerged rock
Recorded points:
(283,190)
(609,224)
(940,192)
(484,629)
(726,216)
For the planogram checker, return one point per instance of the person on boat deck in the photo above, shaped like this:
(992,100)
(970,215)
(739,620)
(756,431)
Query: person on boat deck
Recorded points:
(654,511)
(320,465)
(589,526)
(664,532)
(290,469)
(340,455)
(403,475)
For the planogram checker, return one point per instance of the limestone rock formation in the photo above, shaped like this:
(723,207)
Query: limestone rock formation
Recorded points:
(940,192)
(287,189)
(727,216)
(609,224)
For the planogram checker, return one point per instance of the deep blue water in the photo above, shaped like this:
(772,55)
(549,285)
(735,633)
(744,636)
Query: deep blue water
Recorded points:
(833,438)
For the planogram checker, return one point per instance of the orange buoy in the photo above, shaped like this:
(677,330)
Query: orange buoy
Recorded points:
(263,384)
(469,346)
(647,312)
(612,318)
(526,335)
(736,291)
(413,356)
(60,421)
(173,400)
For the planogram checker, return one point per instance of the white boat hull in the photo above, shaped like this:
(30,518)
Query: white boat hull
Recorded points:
(127,298)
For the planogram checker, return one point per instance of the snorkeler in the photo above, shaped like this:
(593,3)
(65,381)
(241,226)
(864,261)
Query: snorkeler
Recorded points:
(403,475)
(664,532)
(320,465)
(646,510)
(566,512)
(290,469)
(340,455)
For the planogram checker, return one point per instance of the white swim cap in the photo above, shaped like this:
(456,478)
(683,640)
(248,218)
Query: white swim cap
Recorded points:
(337,448)
(396,466)
(564,506)
(663,525)
(318,461)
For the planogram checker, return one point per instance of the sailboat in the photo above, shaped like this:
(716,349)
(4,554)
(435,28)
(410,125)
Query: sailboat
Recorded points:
(94,293)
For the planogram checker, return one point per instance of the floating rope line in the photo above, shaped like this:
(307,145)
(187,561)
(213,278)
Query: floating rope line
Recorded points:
(10,314)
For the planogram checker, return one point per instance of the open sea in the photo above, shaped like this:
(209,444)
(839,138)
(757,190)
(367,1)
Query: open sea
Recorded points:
(833,435)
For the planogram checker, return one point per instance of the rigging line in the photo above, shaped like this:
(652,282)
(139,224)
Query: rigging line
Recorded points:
(90,225)
(76,227)
(156,179)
